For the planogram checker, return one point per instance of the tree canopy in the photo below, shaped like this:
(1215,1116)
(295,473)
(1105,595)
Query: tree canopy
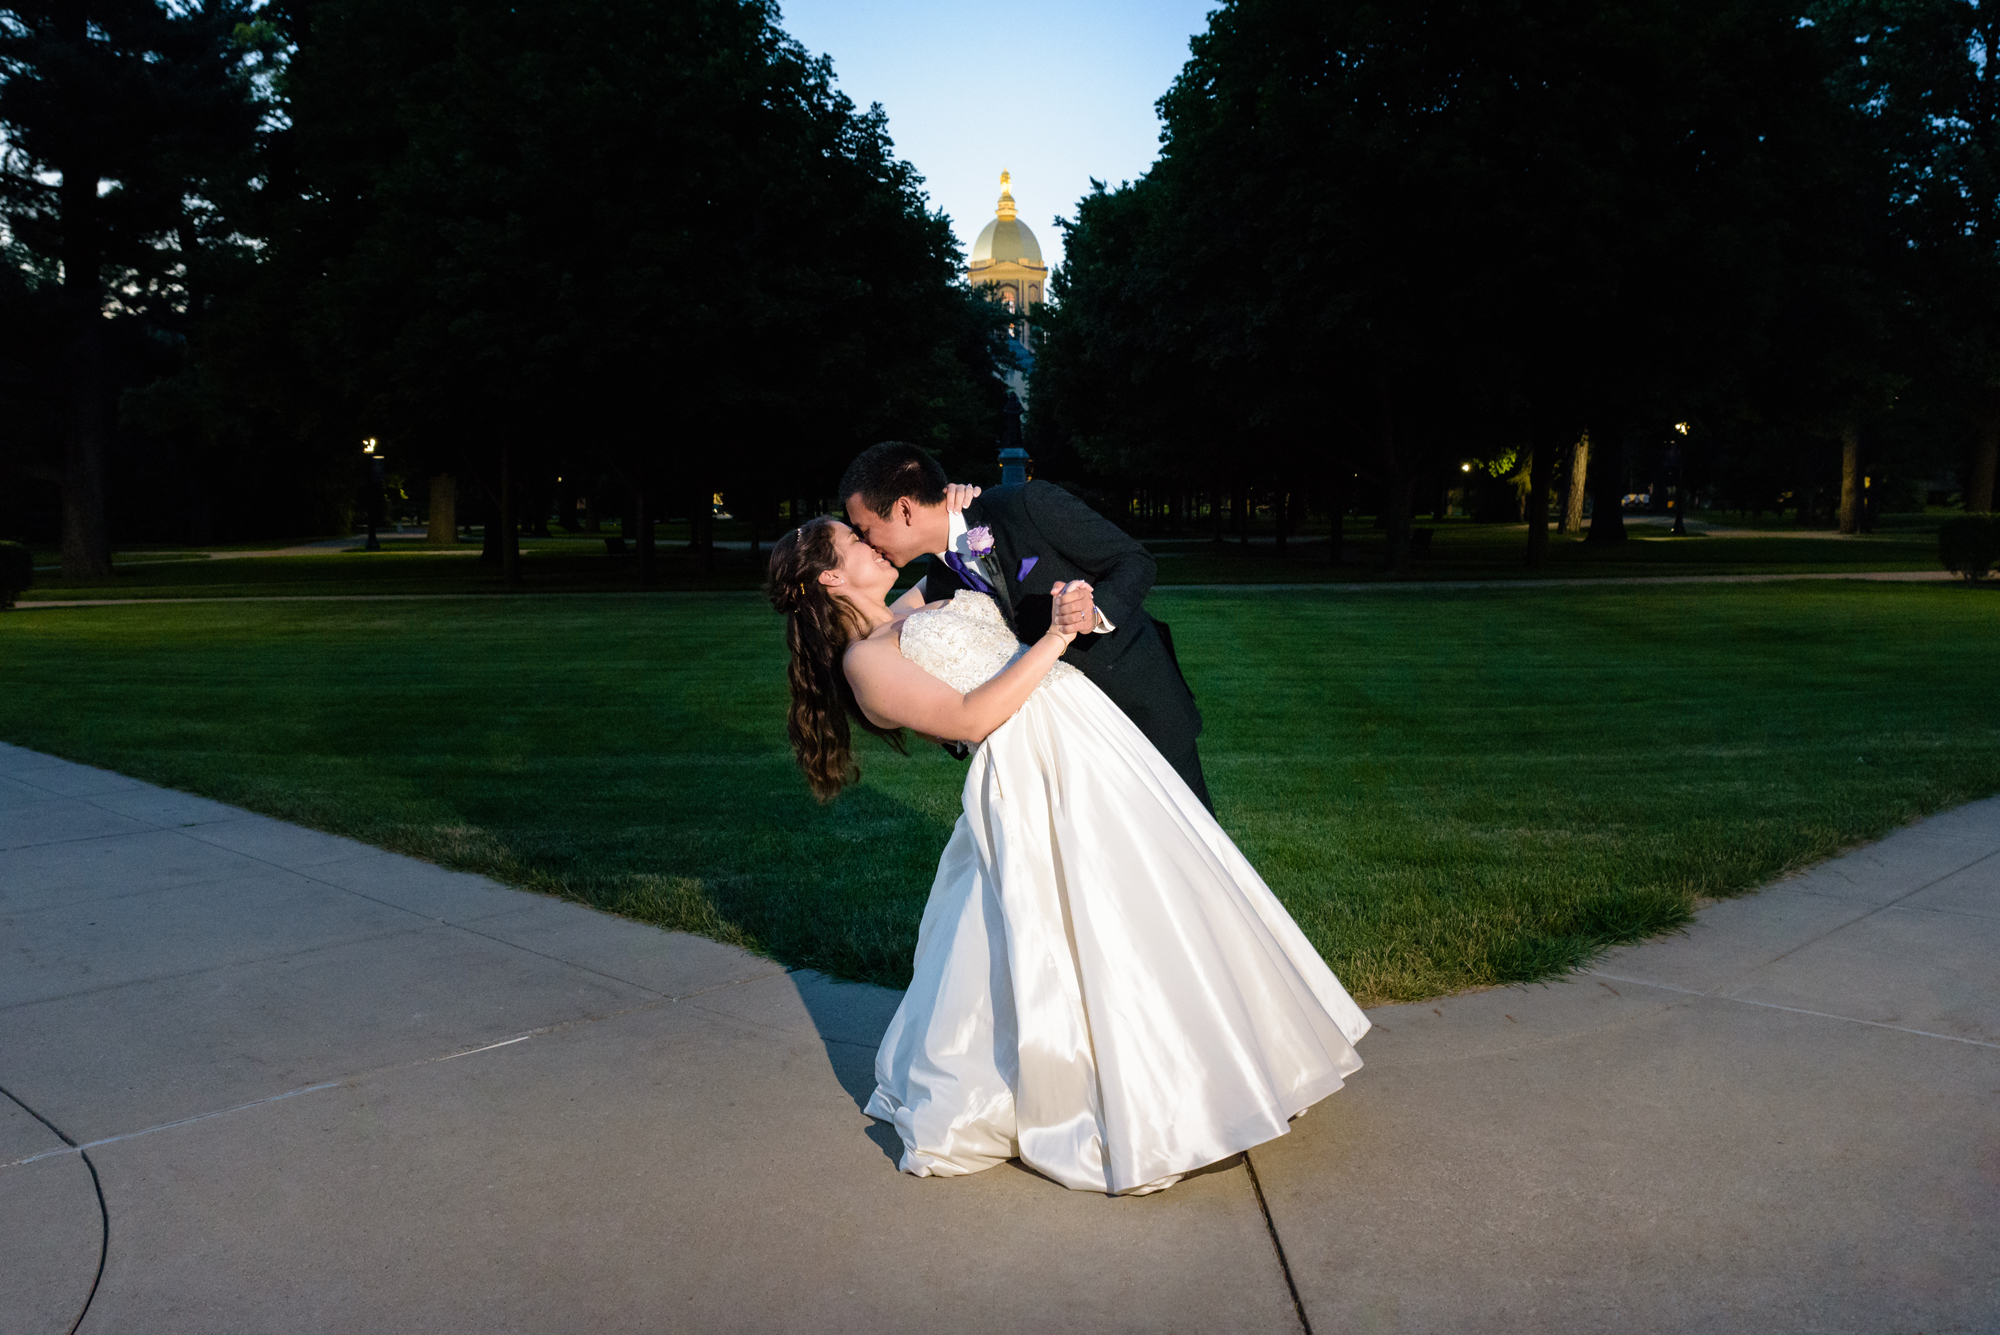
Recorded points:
(652,246)
(645,241)
(1384,238)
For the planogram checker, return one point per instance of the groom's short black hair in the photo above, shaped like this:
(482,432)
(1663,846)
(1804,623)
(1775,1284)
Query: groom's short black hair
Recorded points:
(886,473)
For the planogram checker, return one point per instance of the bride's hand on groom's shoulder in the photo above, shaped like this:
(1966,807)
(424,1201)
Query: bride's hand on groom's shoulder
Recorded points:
(958,495)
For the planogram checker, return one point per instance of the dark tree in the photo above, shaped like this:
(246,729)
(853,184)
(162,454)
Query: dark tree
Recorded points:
(648,241)
(125,122)
(1925,76)
(1395,234)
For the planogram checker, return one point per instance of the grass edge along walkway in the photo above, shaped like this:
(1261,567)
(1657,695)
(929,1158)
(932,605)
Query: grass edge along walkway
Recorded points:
(1447,792)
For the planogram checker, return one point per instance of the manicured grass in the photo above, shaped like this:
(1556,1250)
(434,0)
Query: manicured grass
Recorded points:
(549,566)
(1447,788)
(1459,551)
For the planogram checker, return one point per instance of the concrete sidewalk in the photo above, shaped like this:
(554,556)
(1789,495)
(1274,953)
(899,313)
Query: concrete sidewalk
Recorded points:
(326,1088)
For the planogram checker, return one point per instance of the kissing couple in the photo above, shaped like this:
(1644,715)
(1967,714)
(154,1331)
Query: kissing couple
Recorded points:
(1103,987)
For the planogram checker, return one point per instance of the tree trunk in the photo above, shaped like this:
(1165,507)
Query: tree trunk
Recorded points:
(1281,506)
(1579,473)
(1540,464)
(1398,495)
(1607,508)
(1986,454)
(1337,505)
(489,521)
(1850,477)
(1398,486)
(704,529)
(442,529)
(649,560)
(86,541)
(510,532)
(1239,514)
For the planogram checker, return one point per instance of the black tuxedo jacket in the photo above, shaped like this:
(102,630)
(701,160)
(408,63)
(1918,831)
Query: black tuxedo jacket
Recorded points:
(1066,539)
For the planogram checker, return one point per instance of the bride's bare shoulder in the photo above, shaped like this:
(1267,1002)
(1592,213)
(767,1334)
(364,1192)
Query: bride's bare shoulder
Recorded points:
(884,643)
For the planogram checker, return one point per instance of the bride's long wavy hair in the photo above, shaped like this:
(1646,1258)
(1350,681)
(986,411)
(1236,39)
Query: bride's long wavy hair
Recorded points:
(818,629)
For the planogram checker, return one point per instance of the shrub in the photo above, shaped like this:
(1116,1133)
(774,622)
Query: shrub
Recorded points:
(17,571)
(1969,545)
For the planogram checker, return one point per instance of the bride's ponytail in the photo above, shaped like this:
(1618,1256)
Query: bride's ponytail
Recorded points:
(818,629)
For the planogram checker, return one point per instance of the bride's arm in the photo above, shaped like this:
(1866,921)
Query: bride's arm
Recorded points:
(912,599)
(896,693)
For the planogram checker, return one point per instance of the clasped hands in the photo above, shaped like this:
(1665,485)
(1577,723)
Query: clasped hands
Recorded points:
(1075,610)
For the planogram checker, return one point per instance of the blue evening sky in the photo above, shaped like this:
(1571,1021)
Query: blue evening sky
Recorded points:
(1054,92)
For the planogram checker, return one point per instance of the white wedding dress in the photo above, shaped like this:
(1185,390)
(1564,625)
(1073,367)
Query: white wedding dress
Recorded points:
(1103,986)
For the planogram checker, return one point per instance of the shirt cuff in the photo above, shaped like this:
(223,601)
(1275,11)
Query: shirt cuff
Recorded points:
(1103,626)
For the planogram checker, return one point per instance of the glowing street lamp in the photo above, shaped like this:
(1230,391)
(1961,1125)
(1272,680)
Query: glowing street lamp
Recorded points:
(369,449)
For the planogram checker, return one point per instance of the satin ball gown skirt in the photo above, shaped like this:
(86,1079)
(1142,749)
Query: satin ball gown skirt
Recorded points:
(1103,985)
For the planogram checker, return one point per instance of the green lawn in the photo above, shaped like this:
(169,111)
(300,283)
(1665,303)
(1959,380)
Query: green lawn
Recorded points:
(1448,788)
(567,564)
(1460,550)
(551,565)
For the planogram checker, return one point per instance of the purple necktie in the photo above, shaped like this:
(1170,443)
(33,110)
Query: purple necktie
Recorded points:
(966,573)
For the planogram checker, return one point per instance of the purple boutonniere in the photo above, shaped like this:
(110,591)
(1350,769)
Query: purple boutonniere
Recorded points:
(979,541)
(1027,564)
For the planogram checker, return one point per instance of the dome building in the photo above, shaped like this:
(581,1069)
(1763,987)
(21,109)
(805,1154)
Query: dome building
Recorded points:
(1008,259)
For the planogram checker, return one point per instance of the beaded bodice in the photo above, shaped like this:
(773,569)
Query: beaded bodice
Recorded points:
(965,643)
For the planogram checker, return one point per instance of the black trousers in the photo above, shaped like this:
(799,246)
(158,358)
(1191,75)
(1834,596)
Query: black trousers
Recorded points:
(1187,763)
(1171,724)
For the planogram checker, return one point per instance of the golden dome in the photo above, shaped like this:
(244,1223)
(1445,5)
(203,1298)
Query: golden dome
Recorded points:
(1006,237)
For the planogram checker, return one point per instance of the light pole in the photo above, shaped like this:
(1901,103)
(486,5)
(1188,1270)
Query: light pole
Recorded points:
(1013,459)
(368,447)
(1677,470)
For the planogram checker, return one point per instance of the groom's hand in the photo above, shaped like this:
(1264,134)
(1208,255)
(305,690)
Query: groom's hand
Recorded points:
(958,495)
(1076,609)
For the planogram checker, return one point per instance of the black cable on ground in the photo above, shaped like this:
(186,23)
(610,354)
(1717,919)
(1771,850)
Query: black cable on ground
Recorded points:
(103,1212)
(1271,1227)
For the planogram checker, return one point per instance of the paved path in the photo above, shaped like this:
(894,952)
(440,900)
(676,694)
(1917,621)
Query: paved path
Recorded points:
(320,547)
(317,1087)
(1381,586)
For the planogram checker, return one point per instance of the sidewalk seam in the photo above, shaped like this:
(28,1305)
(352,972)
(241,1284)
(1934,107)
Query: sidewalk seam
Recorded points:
(1794,1010)
(354,1077)
(103,1210)
(1271,1227)
(1915,890)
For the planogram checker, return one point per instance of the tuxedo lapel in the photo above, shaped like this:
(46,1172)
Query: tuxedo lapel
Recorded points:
(994,563)
(940,580)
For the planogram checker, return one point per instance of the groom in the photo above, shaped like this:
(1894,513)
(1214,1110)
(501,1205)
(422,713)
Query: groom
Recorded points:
(1041,536)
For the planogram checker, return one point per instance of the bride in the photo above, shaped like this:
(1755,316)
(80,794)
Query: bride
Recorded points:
(1103,986)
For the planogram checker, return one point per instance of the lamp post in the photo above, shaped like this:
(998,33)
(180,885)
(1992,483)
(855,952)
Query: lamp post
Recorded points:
(1013,459)
(374,493)
(1677,478)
